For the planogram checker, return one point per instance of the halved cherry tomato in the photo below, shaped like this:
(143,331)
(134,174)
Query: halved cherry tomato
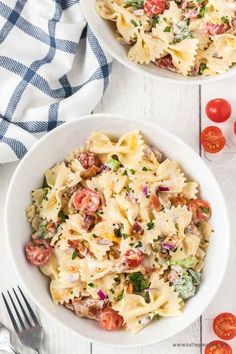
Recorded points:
(110,320)
(154,7)
(200,209)
(218,110)
(218,347)
(224,326)
(86,200)
(178,201)
(38,252)
(134,258)
(212,139)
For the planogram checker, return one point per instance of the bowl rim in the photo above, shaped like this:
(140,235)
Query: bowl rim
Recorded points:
(172,136)
(138,68)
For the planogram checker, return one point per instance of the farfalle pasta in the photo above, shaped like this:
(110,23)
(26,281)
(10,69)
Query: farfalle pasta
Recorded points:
(192,38)
(120,232)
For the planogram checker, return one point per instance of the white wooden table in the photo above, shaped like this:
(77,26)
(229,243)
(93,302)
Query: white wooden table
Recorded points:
(181,110)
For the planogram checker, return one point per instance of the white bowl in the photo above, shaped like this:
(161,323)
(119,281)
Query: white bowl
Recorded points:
(52,148)
(104,31)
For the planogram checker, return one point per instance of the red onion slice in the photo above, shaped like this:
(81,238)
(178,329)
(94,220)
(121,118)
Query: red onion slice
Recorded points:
(164,189)
(101,294)
(168,246)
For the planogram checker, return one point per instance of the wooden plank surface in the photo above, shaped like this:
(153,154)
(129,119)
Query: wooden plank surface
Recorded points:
(180,110)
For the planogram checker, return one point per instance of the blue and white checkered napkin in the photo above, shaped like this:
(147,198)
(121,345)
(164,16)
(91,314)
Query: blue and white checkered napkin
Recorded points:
(52,69)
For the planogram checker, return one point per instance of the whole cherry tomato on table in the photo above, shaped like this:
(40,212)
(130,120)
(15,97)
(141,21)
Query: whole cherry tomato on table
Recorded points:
(218,110)
(218,347)
(224,326)
(212,139)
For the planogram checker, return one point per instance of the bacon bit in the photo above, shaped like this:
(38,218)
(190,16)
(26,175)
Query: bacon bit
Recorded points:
(180,200)
(156,202)
(90,220)
(79,246)
(214,30)
(89,159)
(88,307)
(129,288)
(69,305)
(51,227)
(165,62)
(136,229)
(90,172)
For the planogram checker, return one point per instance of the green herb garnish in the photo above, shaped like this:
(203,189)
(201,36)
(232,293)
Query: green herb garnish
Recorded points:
(138,281)
(74,255)
(150,225)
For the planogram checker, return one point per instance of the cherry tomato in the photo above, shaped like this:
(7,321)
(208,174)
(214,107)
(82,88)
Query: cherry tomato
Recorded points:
(218,347)
(86,200)
(88,159)
(235,127)
(38,252)
(218,110)
(213,29)
(178,201)
(154,7)
(134,258)
(200,209)
(110,320)
(212,139)
(224,326)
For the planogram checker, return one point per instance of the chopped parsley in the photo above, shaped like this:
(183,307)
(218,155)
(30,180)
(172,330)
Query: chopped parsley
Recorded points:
(114,164)
(138,4)
(138,281)
(134,22)
(120,296)
(205,210)
(167,29)
(138,244)
(91,285)
(122,232)
(132,171)
(74,255)
(155,20)
(145,168)
(150,225)
(203,11)
(94,236)
(62,215)
(202,68)
(112,291)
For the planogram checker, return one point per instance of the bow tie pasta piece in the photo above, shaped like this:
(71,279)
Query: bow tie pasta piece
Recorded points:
(107,9)
(225,8)
(173,14)
(170,175)
(130,149)
(160,32)
(217,65)
(181,217)
(61,295)
(115,214)
(190,190)
(92,269)
(225,44)
(62,176)
(146,49)
(196,27)
(183,54)
(164,301)
(99,143)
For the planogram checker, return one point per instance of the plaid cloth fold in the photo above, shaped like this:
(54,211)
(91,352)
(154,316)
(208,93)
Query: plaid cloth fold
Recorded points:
(52,69)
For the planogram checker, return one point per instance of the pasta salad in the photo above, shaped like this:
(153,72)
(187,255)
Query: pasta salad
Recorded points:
(190,37)
(120,231)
